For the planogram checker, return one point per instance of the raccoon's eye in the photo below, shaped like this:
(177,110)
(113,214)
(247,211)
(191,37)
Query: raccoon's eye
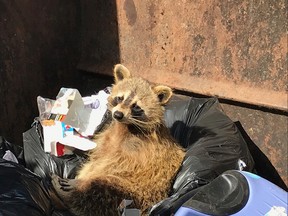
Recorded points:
(117,100)
(136,109)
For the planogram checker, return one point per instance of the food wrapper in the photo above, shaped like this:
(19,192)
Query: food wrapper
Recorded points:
(71,120)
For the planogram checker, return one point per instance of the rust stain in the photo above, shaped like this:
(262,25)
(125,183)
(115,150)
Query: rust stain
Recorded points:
(131,12)
(235,50)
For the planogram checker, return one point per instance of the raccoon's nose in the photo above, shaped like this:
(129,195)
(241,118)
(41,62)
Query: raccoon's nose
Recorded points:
(118,115)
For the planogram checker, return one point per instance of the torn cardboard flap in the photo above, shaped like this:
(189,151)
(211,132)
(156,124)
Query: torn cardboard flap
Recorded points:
(71,112)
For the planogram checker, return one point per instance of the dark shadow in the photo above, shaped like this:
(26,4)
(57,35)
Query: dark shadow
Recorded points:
(263,166)
(187,136)
(254,107)
(91,83)
(100,37)
(236,103)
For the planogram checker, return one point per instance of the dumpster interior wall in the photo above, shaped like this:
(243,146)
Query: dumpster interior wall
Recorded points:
(39,51)
(48,45)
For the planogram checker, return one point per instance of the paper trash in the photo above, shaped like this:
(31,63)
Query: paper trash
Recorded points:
(70,119)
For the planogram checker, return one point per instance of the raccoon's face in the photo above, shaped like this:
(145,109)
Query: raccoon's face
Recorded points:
(134,101)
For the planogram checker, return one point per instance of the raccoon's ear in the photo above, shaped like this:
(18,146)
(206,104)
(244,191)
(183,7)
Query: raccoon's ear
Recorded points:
(120,73)
(164,93)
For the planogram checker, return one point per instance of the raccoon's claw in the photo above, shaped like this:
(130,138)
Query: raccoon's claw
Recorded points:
(63,184)
(67,185)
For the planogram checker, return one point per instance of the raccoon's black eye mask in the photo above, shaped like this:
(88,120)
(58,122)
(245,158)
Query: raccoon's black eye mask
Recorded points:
(117,100)
(137,111)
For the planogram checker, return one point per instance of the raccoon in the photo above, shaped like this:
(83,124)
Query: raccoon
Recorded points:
(136,158)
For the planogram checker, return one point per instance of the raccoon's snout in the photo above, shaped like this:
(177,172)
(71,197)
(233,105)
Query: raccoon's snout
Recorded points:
(118,115)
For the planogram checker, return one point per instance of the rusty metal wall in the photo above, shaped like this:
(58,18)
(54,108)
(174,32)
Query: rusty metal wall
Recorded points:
(232,49)
(39,50)
(236,50)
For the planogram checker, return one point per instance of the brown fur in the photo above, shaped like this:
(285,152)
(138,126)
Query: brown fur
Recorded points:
(135,157)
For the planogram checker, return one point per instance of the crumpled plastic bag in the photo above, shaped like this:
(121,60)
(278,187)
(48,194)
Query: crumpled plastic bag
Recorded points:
(213,143)
(22,192)
(9,150)
(42,163)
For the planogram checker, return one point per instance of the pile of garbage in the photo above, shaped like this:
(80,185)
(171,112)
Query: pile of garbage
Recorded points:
(70,120)
(62,134)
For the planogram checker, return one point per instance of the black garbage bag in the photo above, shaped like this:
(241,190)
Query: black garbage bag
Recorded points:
(22,192)
(16,150)
(43,164)
(213,143)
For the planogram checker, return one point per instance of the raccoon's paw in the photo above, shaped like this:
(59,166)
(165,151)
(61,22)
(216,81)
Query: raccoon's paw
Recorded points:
(63,187)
